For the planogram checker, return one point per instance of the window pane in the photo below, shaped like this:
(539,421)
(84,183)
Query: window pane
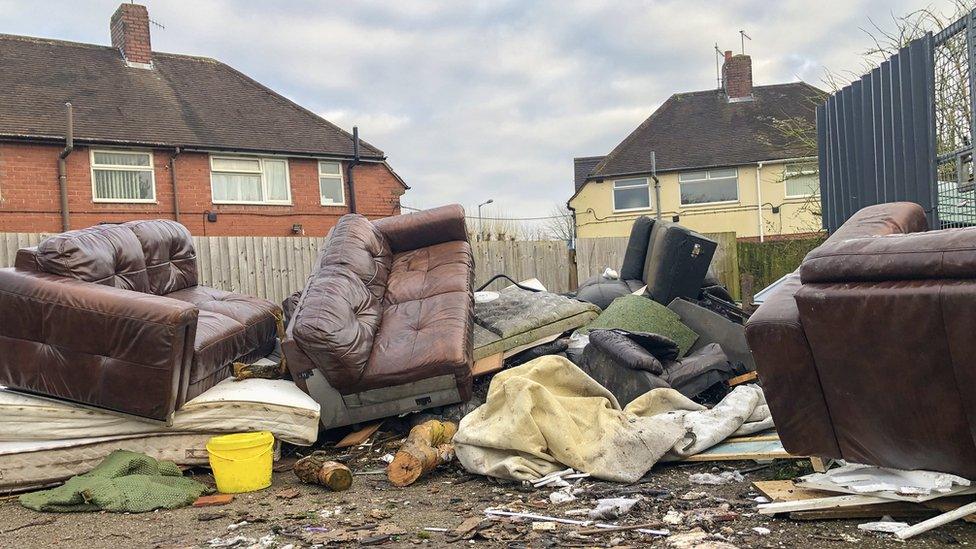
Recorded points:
(630,182)
(121,159)
(276,176)
(234,187)
(724,172)
(635,197)
(691,176)
(237,164)
(123,185)
(715,190)
(329,168)
(803,185)
(331,190)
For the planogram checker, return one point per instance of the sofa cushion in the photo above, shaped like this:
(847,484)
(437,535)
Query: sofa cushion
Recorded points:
(358,246)
(103,254)
(426,272)
(421,339)
(171,260)
(335,325)
(219,341)
(259,317)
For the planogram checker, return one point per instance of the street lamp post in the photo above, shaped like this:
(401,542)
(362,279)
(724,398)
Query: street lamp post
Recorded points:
(480,223)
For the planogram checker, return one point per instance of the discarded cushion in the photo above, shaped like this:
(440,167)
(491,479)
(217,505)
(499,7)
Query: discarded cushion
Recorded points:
(125,482)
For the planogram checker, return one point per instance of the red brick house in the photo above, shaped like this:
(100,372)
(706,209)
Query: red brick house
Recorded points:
(174,136)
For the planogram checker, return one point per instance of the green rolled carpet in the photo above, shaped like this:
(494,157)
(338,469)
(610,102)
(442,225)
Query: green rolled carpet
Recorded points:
(636,313)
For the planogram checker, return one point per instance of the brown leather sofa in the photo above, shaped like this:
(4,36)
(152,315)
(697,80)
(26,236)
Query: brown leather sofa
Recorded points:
(868,352)
(112,317)
(384,324)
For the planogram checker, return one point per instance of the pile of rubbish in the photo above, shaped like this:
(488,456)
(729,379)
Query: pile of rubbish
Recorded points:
(558,393)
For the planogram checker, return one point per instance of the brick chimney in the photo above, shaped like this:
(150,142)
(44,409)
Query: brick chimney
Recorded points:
(737,76)
(130,34)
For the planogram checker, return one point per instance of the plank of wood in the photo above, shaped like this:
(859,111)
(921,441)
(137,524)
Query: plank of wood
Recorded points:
(356,438)
(818,503)
(786,491)
(744,378)
(950,503)
(935,522)
(488,365)
(757,450)
(754,438)
(818,464)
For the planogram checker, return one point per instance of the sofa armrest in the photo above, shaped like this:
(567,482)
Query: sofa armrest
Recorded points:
(789,374)
(94,344)
(944,254)
(421,229)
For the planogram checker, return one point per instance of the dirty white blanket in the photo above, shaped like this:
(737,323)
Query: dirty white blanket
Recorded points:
(547,415)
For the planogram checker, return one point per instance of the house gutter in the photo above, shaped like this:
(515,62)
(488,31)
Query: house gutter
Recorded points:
(759,200)
(63,169)
(176,188)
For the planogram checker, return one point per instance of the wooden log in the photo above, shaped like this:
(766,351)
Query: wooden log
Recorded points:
(427,446)
(317,469)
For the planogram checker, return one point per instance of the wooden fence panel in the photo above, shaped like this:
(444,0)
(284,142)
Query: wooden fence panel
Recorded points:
(593,255)
(274,267)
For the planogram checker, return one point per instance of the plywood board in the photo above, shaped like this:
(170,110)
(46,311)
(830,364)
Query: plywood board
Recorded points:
(488,365)
(750,449)
(356,438)
(787,491)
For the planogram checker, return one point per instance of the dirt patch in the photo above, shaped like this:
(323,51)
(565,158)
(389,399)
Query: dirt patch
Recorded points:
(373,512)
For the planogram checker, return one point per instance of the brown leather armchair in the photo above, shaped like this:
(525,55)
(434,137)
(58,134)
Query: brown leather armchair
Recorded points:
(384,324)
(112,317)
(867,352)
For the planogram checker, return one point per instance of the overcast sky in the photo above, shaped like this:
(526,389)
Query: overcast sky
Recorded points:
(473,100)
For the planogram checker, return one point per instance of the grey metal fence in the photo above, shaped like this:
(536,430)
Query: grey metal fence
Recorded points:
(905,131)
(876,138)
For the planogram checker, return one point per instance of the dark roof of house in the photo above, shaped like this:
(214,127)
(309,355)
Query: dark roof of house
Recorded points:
(583,167)
(185,101)
(704,129)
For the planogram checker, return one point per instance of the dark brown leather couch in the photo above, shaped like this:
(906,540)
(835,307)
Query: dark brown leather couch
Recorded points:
(112,316)
(868,352)
(384,324)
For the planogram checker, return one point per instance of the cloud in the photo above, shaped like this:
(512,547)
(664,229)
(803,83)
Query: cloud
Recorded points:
(489,99)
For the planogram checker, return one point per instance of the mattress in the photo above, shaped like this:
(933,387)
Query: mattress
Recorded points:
(519,317)
(36,464)
(278,406)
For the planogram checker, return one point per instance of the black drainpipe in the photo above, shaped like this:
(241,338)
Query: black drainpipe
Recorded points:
(355,161)
(176,194)
(63,170)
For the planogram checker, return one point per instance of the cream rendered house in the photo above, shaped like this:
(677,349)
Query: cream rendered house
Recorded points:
(724,162)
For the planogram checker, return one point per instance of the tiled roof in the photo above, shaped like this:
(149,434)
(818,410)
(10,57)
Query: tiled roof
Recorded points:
(583,167)
(704,129)
(185,101)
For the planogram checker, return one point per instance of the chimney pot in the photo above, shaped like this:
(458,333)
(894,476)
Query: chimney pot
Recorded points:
(737,76)
(130,34)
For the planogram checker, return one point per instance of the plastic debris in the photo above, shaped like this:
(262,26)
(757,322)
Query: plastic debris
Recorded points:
(612,508)
(724,477)
(761,530)
(885,525)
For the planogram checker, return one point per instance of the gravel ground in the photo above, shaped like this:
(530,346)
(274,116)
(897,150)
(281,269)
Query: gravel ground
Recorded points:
(373,512)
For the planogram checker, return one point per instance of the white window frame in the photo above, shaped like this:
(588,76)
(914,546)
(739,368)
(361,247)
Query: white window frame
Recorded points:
(798,167)
(708,177)
(342,182)
(613,195)
(107,167)
(264,182)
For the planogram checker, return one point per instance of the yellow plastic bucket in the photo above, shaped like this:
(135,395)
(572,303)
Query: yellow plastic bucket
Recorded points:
(241,462)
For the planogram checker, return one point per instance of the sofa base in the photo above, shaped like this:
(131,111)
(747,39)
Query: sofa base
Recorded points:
(340,410)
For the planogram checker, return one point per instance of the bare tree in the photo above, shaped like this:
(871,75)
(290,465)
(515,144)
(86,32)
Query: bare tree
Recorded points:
(561,225)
